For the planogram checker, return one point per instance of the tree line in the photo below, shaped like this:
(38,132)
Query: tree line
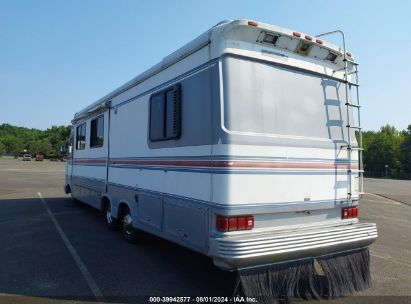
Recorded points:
(15,140)
(387,150)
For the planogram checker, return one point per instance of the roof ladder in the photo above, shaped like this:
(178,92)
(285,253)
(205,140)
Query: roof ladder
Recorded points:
(351,106)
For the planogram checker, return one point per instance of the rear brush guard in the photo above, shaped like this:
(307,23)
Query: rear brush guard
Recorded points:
(328,277)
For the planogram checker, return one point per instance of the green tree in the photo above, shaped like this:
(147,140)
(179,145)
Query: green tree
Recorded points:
(382,148)
(405,152)
(15,139)
(17,147)
(2,148)
(40,146)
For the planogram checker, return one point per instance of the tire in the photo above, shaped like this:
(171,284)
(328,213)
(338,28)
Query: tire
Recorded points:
(111,223)
(130,234)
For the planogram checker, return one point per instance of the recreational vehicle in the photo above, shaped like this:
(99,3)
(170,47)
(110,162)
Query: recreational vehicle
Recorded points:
(240,145)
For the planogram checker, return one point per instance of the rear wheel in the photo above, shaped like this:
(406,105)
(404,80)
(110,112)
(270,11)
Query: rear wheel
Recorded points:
(130,234)
(111,222)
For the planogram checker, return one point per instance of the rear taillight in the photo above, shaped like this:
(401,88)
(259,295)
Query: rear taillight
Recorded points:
(234,223)
(349,212)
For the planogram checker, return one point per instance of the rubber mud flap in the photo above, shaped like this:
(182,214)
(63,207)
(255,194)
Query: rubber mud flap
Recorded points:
(342,274)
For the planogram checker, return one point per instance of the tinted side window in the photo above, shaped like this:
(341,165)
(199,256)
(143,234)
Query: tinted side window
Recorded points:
(97,132)
(81,137)
(165,114)
(157,111)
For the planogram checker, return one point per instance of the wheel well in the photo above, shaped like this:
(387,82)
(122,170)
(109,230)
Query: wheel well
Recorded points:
(67,189)
(123,206)
(104,201)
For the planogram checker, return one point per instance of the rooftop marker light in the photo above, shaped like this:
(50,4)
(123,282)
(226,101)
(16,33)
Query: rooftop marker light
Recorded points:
(308,37)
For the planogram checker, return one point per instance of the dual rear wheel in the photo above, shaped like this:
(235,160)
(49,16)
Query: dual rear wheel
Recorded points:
(124,222)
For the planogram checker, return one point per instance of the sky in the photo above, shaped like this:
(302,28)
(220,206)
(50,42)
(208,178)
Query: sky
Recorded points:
(56,56)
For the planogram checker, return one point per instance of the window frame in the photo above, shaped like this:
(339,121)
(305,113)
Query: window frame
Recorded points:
(176,89)
(91,135)
(82,125)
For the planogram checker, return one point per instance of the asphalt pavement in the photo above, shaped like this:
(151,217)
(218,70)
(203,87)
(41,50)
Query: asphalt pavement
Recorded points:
(55,250)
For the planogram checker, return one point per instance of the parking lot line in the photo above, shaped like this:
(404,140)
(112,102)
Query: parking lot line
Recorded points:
(390,259)
(80,264)
(384,199)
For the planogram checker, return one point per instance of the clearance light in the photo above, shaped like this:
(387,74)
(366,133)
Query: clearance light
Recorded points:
(319,41)
(252,23)
(234,223)
(296,34)
(308,37)
(350,212)
(348,54)
(270,38)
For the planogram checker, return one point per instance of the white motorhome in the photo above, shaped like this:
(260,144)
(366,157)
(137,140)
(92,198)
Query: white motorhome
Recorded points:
(240,145)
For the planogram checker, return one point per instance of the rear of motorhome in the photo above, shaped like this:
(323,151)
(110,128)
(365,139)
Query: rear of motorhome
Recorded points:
(241,145)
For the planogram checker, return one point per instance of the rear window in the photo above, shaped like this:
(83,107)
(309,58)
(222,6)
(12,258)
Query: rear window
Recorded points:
(264,99)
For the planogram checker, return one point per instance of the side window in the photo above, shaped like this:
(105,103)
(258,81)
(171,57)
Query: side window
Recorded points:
(97,132)
(81,137)
(165,114)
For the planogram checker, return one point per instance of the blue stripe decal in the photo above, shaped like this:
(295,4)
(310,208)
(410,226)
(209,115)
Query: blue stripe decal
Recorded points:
(234,171)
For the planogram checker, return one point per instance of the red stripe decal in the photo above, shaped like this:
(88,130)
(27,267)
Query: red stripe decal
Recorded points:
(235,164)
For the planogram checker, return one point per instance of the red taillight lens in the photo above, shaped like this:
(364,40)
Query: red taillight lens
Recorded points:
(222,223)
(241,223)
(350,212)
(234,223)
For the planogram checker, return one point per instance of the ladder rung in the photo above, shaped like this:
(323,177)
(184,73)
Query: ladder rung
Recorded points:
(351,83)
(352,62)
(353,148)
(353,127)
(353,72)
(339,70)
(352,105)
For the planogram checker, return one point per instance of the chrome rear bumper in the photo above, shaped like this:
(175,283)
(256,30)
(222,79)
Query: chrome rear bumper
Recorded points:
(242,251)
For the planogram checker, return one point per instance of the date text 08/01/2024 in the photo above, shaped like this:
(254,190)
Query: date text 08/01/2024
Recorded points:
(202,300)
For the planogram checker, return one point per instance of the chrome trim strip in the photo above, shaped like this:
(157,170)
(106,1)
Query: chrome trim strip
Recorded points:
(236,250)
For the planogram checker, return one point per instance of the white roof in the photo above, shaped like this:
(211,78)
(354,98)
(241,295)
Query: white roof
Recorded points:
(215,32)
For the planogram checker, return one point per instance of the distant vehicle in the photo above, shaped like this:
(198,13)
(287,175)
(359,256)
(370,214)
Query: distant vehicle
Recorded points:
(240,145)
(39,157)
(53,156)
(26,157)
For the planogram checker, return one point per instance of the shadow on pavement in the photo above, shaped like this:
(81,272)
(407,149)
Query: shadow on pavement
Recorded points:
(36,261)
